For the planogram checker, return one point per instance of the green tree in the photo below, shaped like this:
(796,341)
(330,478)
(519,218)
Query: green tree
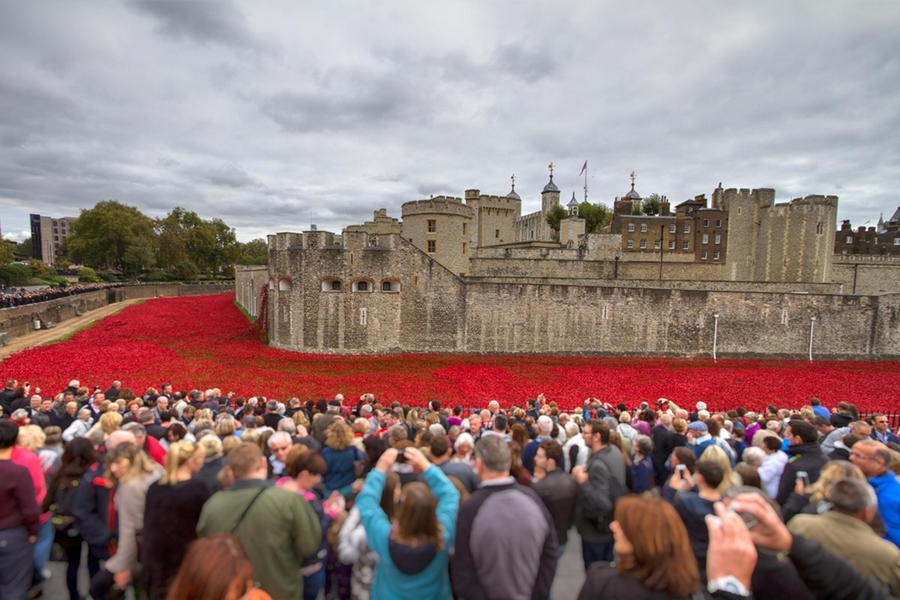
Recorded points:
(188,244)
(7,251)
(650,205)
(596,216)
(556,214)
(15,274)
(24,250)
(87,275)
(101,236)
(254,252)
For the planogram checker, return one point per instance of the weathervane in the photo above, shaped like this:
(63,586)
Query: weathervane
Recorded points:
(513,179)
(551,170)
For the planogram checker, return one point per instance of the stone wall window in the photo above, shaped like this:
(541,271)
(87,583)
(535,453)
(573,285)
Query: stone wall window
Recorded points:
(686,245)
(362,286)
(671,244)
(432,245)
(631,228)
(284,285)
(465,248)
(643,228)
(497,233)
(718,222)
(706,222)
(703,255)
(643,243)
(629,244)
(331,285)
(718,239)
(687,228)
(656,244)
(390,285)
(672,228)
(849,239)
(465,228)
(716,255)
(363,317)
(705,239)
(432,225)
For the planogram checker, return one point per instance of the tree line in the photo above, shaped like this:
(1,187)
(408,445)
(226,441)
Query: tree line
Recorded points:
(119,241)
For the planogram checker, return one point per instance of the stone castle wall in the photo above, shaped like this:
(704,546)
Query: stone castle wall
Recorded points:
(317,306)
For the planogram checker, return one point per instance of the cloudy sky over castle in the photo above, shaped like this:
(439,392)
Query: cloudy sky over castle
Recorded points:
(274,115)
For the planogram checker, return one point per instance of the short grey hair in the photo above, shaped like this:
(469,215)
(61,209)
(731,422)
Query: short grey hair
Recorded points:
(279,437)
(753,456)
(493,450)
(852,496)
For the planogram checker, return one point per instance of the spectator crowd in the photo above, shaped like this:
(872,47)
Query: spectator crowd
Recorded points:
(200,494)
(20,296)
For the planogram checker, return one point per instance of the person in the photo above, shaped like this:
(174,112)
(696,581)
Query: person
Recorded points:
(772,466)
(214,461)
(496,557)
(440,457)
(277,528)
(642,474)
(279,444)
(881,430)
(206,561)
(303,473)
(557,489)
(813,499)
(663,444)
(414,550)
(693,507)
(78,456)
(700,439)
(601,483)
(845,530)
(353,548)
(19,519)
(341,457)
(806,455)
(170,519)
(132,471)
(654,555)
(873,459)
(545,428)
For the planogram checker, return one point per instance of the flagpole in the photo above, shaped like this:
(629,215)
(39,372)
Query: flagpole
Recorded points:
(584,171)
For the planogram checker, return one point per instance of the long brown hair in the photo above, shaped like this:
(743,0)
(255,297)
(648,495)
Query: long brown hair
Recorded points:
(214,568)
(662,559)
(417,516)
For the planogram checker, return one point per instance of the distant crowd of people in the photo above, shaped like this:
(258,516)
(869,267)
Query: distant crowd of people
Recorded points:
(11,297)
(200,494)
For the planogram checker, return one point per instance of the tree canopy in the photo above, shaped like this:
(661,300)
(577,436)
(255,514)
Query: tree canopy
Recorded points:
(113,236)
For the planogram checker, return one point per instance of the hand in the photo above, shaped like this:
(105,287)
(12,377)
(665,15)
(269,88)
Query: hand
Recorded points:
(388,458)
(799,488)
(770,532)
(335,502)
(122,579)
(731,550)
(580,474)
(415,457)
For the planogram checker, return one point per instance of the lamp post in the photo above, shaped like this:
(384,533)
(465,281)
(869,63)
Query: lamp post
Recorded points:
(715,333)
(812,325)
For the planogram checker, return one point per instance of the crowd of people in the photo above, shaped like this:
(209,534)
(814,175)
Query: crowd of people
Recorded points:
(199,494)
(10,297)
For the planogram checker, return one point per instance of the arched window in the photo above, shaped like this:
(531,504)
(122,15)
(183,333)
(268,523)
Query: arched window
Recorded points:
(390,285)
(363,285)
(331,285)
(284,285)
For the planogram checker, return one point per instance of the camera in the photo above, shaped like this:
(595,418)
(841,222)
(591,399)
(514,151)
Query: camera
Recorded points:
(401,458)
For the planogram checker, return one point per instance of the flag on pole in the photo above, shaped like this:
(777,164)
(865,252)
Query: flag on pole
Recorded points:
(583,169)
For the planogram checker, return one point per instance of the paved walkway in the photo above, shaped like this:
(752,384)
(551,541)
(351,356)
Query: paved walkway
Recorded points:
(42,337)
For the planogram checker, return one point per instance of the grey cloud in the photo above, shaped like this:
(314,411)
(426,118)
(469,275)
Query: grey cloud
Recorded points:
(203,22)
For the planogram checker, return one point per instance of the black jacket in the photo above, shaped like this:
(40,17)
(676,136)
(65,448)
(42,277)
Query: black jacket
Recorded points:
(804,457)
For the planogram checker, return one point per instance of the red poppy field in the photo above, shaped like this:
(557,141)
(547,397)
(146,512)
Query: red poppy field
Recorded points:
(205,341)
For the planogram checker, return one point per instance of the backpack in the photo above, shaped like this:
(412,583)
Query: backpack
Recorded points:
(63,503)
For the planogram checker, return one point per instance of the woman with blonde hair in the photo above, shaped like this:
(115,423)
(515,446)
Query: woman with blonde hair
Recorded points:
(133,472)
(813,499)
(341,457)
(717,455)
(109,422)
(170,519)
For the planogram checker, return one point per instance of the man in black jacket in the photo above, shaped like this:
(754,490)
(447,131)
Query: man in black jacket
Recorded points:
(557,489)
(806,455)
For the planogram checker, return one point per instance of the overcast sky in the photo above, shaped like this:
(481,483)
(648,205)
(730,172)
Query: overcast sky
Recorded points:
(275,115)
